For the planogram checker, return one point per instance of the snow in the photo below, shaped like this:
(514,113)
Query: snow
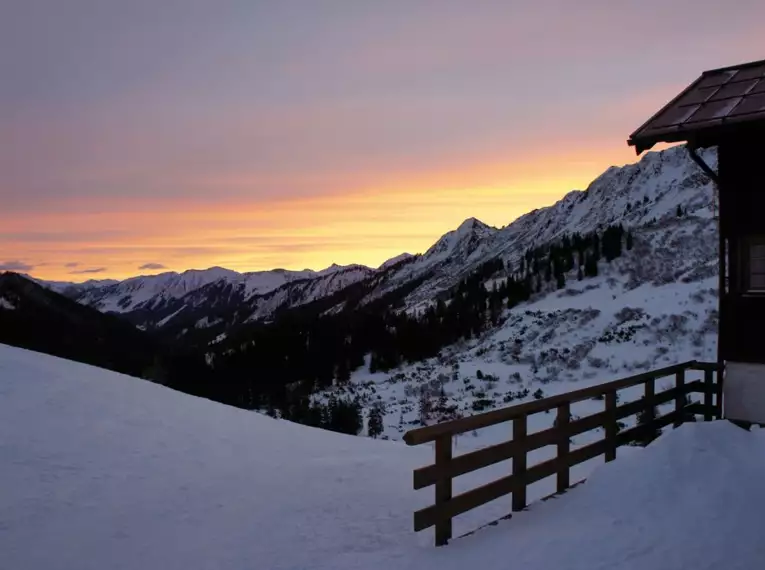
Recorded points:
(205,322)
(693,499)
(460,242)
(593,331)
(262,282)
(99,470)
(151,290)
(394,260)
(643,196)
(170,317)
(220,338)
(6,304)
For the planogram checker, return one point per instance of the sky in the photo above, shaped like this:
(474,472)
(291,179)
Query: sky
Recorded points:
(146,136)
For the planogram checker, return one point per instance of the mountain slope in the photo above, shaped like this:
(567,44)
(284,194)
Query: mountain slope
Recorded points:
(637,195)
(203,298)
(34,317)
(655,304)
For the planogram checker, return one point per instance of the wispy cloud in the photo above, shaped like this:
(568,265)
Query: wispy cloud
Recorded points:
(15,265)
(92,270)
(152,266)
(72,264)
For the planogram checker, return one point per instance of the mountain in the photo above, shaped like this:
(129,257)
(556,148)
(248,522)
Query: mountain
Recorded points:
(617,278)
(218,299)
(652,304)
(609,281)
(37,318)
(635,195)
(203,298)
(72,289)
(401,258)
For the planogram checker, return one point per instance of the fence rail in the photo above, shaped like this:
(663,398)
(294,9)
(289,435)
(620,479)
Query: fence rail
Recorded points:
(447,467)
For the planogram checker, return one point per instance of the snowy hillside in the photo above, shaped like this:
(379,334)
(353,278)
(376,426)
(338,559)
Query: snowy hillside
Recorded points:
(100,470)
(641,313)
(644,194)
(653,306)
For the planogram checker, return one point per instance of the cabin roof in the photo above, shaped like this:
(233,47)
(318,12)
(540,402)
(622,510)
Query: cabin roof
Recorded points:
(721,102)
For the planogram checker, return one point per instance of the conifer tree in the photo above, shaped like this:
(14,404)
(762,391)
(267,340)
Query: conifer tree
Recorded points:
(595,246)
(425,406)
(590,266)
(375,421)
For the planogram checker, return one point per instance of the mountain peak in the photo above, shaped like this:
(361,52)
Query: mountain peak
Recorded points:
(462,241)
(471,224)
(394,260)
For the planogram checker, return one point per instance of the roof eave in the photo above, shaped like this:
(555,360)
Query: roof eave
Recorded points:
(701,138)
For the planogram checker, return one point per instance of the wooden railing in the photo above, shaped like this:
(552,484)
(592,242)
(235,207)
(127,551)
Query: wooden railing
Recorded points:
(446,467)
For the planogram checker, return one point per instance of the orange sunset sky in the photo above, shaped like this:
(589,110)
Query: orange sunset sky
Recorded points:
(145,136)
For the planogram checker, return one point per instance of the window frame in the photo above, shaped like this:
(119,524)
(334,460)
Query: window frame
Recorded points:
(746,260)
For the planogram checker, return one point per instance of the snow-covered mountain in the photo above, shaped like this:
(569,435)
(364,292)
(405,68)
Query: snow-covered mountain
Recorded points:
(637,195)
(156,300)
(73,289)
(401,258)
(654,305)
(641,196)
(150,291)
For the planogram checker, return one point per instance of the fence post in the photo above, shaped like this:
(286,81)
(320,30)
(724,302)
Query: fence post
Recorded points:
(519,463)
(611,426)
(720,379)
(679,397)
(443,487)
(708,392)
(564,445)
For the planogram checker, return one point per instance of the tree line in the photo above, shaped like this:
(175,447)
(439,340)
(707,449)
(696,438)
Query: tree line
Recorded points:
(278,367)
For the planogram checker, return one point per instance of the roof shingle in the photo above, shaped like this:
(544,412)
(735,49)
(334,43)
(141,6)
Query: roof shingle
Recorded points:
(715,102)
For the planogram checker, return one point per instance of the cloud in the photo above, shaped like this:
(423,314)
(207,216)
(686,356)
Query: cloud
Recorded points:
(93,270)
(68,234)
(15,265)
(152,266)
(71,264)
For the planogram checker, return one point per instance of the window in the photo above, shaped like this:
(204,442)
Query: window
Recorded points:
(754,264)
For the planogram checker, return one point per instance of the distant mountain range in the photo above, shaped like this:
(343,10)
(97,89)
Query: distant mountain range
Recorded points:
(513,300)
(218,298)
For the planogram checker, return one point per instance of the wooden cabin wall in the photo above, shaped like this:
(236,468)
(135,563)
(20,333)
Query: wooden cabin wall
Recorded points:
(741,169)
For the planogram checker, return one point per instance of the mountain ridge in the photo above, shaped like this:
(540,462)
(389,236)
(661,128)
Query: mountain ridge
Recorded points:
(582,291)
(634,195)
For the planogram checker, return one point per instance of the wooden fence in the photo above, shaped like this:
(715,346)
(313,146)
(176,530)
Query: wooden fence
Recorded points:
(446,467)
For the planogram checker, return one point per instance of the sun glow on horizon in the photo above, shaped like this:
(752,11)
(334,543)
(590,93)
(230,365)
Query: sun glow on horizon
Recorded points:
(92,241)
(138,138)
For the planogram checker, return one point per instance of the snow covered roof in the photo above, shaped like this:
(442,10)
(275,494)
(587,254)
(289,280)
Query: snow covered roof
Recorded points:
(718,102)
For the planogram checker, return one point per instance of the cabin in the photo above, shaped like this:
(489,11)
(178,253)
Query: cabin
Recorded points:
(725,108)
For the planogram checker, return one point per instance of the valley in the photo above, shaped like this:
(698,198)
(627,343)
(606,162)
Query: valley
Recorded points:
(613,280)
